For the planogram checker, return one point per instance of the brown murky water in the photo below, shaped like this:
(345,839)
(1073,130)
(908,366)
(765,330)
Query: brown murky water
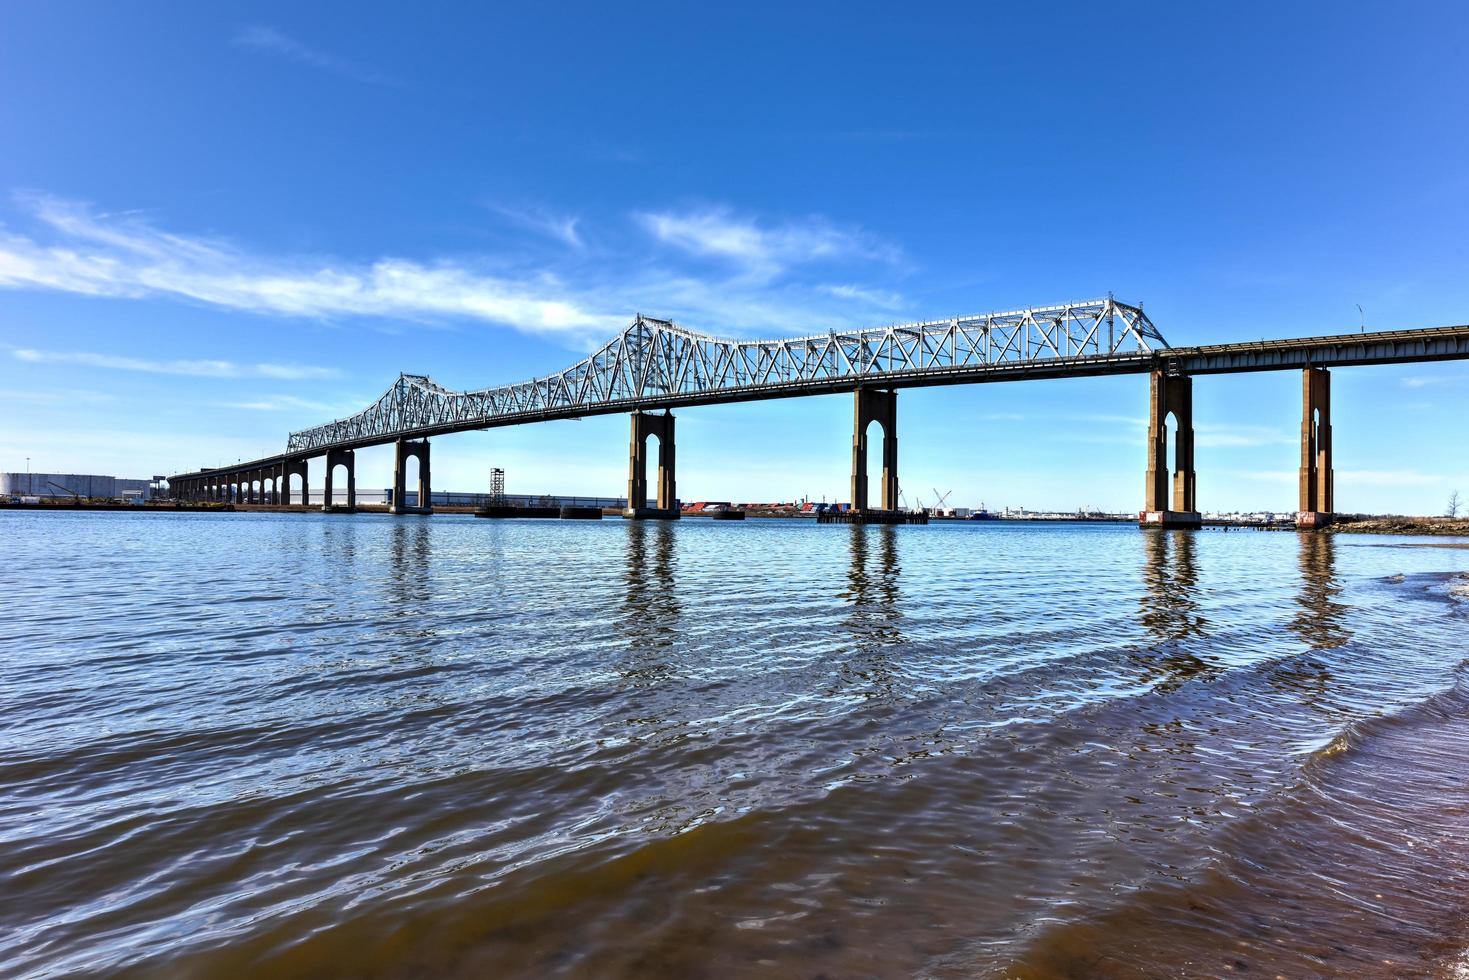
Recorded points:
(292,745)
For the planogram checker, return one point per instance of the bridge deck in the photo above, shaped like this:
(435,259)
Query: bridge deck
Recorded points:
(437,411)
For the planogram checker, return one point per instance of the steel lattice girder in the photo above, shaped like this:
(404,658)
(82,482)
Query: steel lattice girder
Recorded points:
(658,362)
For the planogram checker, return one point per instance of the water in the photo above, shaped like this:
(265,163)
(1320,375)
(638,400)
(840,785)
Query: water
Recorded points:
(295,745)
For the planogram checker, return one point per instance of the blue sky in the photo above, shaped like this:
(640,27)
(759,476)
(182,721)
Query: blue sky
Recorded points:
(219,223)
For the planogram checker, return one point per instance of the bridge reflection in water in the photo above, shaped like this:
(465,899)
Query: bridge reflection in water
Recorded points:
(650,606)
(866,666)
(1169,608)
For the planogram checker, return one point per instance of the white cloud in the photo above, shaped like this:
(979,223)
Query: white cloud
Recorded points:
(1231,436)
(1387,478)
(1264,476)
(1348,478)
(73,249)
(129,258)
(293,372)
(764,251)
(875,297)
(1106,419)
(1424,381)
(279,403)
(194,368)
(56,396)
(562,228)
(270,41)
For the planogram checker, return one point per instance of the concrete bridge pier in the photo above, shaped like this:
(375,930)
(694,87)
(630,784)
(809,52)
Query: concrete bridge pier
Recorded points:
(1317,478)
(643,426)
(874,405)
(335,458)
(1171,394)
(290,468)
(403,451)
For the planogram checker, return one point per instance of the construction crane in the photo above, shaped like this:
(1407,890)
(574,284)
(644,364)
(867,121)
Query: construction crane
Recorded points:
(943,498)
(74,495)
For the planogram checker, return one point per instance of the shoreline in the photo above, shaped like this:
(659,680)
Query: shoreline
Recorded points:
(1357,524)
(1344,524)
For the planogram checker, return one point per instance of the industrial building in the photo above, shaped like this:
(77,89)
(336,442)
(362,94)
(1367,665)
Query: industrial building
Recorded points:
(84,485)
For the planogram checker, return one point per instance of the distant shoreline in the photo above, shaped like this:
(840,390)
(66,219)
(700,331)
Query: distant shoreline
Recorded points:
(1346,524)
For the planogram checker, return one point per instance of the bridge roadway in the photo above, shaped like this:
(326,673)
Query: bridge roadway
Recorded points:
(655,364)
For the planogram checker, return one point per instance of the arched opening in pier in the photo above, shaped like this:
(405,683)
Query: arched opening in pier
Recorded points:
(293,487)
(268,489)
(652,447)
(338,477)
(1170,443)
(411,470)
(872,438)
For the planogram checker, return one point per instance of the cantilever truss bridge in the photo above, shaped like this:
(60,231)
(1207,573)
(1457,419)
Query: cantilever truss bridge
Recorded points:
(658,364)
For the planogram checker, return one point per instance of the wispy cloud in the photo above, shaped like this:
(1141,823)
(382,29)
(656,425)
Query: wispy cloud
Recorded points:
(562,228)
(56,396)
(1388,478)
(876,297)
(764,251)
(131,258)
(1431,380)
(1206,434)
(1209,435)
(193,368)
(1348,478)
(282,403)
(269,40)
(71,248)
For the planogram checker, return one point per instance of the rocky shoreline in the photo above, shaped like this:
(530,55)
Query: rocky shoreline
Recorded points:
(1399,525)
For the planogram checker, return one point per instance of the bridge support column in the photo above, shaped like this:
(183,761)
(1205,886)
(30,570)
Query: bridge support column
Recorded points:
(290,468)
(335,458)
(403,450)
(1317,490)
(643,426)
(881,407)
(1171,394)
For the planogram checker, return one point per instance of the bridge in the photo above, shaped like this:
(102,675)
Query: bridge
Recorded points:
(657,365)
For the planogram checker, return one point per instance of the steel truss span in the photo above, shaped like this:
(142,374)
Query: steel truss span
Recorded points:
(656,363)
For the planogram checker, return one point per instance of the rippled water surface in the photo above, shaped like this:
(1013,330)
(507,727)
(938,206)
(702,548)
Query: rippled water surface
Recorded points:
(297,745)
